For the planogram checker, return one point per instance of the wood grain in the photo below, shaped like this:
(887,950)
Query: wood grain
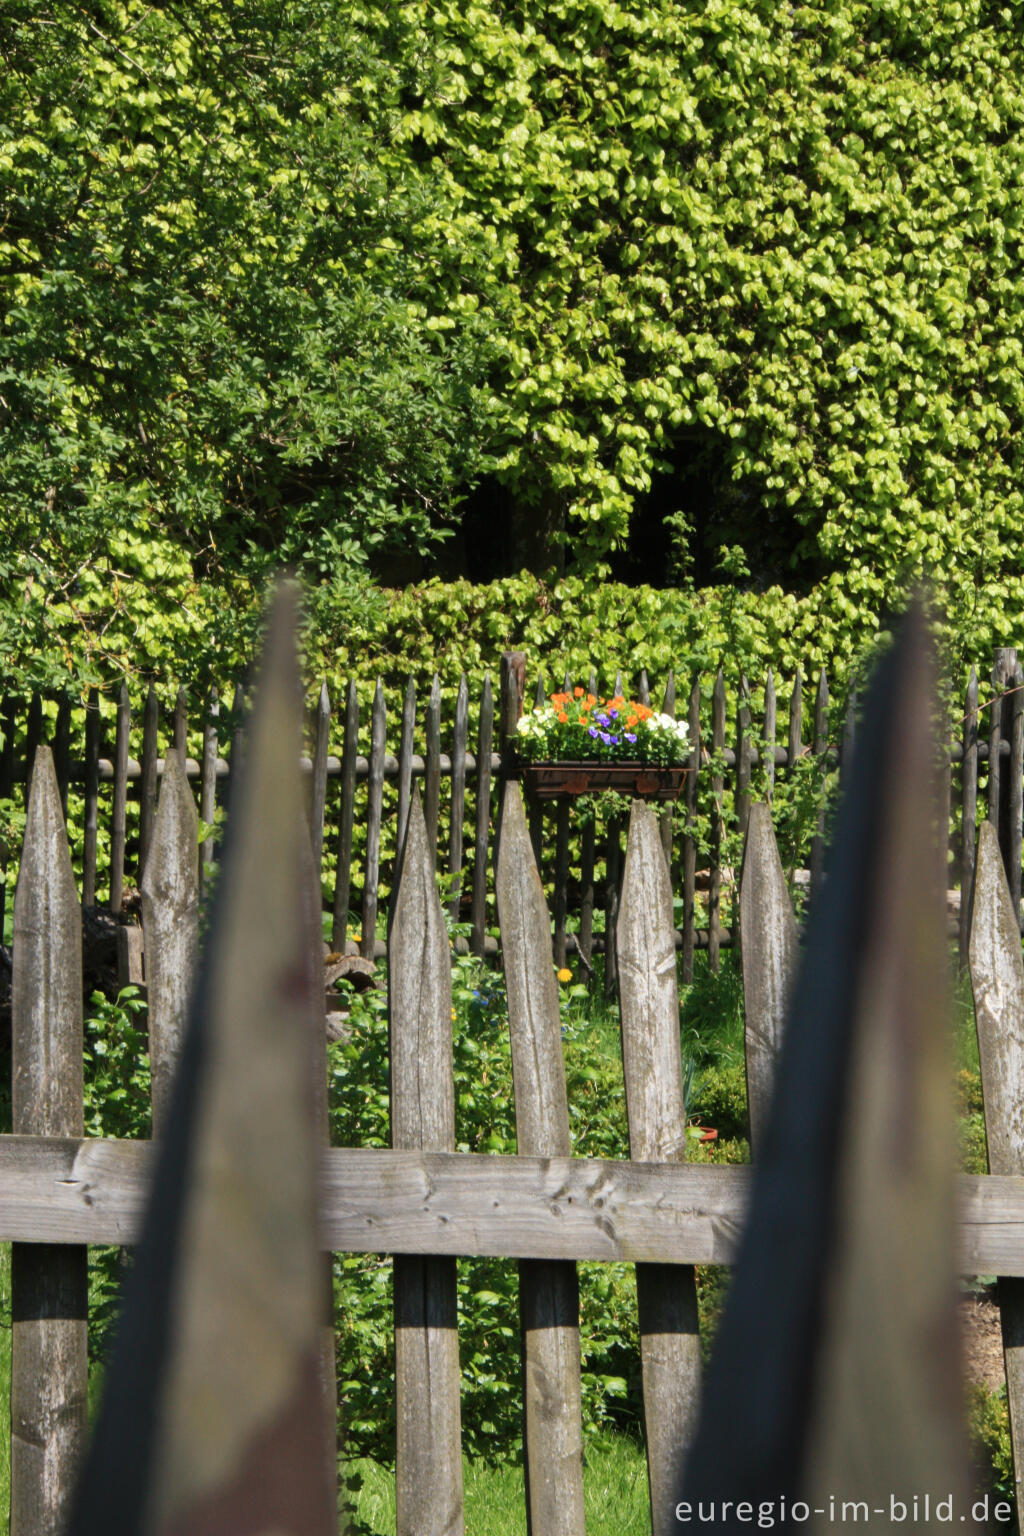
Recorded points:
(770,951)
(428,1424)
(666,1296)
(170,922)
(548,1292)
(49,1364)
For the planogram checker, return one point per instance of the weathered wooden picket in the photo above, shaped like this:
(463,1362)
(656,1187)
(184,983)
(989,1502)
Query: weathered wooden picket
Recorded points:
(359,789)
(225,1412)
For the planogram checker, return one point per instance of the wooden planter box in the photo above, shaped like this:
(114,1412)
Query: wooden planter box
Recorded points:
(644,781)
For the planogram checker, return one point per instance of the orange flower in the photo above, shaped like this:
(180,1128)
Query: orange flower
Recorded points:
(563,717)
(591,700)
(578,692)
(631,721)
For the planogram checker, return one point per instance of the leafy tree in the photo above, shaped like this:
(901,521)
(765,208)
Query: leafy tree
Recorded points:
(212,358)
(284,278)
(793,229)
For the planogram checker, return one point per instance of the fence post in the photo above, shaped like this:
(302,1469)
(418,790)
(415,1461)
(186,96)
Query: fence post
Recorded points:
(655,1109)
(346,819)
(318,782)
(770,950)
(119,822)
(690,840)
(170,923)
(717,819)
(428,1468)
(969,811)
(483,817)
(49,1371)
(457,814)
(208,782)
(548,1289)
(512,694)
(374,811)
(147,775)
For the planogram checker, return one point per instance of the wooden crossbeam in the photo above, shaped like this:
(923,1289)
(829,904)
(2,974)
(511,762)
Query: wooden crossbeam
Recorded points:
(375,1200)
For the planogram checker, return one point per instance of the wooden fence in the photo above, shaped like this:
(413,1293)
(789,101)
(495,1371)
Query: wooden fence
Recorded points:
(215,1401)
(360,774)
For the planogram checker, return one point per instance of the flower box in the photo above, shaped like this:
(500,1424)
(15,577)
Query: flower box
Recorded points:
(643,781)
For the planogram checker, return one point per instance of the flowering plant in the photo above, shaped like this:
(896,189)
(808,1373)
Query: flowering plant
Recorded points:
(579,726)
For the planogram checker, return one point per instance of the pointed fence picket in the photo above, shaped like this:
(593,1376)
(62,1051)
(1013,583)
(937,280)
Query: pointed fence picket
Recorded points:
(420,1200)
(428,1467)
(548,1289)
(170,923)
(49,1367)
(655,1109)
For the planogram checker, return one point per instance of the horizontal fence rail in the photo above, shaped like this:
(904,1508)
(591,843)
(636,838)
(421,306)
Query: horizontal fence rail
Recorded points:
(376,1200)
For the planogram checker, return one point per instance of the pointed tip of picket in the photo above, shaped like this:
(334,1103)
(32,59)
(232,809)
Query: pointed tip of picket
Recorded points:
(515,836)
(324,699)
(45,856)
(172,867)
(645,880)
(992,916)
(415,845)
(769,954)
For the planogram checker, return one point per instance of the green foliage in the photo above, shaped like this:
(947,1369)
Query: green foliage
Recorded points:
(989,1421)
(792,230)
(211,359)
(283,280)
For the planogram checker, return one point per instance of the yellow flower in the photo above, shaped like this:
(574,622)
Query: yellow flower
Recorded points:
(565,974)
(453,1015)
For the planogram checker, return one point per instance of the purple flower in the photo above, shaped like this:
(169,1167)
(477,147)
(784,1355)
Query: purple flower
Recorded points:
(614,741)
(601,719)
(605,738)
(613,714)
(593,732)
(630,736)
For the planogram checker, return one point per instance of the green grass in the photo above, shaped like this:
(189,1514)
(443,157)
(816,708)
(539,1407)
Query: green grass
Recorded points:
(614,1491)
